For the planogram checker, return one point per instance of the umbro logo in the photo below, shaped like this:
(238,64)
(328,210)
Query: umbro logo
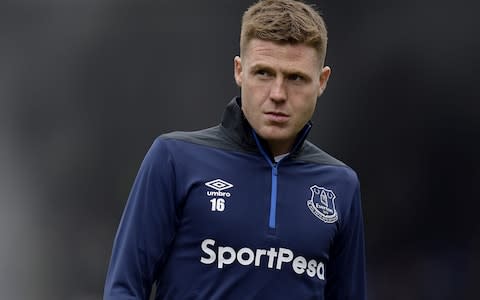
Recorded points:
(219,185)
(218,202)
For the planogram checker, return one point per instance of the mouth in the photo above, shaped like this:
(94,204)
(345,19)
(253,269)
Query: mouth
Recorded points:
(277,116)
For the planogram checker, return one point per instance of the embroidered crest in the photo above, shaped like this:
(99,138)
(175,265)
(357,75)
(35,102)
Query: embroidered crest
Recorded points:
(322,204)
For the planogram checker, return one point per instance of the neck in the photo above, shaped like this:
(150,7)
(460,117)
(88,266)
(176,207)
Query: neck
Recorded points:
(280,147)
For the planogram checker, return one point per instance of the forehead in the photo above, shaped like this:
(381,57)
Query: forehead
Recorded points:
(299,55)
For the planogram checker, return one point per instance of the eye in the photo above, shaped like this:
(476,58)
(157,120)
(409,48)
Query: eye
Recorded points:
(263,73)
(296,77)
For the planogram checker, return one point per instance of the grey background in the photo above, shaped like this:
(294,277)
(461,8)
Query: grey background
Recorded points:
(85,87)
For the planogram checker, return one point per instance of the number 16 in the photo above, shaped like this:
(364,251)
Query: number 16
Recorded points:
(218,204)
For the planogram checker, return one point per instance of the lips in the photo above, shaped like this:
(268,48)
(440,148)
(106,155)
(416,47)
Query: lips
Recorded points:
(277,116)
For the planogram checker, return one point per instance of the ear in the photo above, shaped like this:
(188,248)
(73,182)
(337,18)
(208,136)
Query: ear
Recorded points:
(237,69)
(324,76)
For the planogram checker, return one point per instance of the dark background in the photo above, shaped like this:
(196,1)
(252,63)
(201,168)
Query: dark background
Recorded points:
(86,86)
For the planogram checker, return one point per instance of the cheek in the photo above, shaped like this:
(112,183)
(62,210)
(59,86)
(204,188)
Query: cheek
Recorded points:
(253,94)
(306,97)
(307,108)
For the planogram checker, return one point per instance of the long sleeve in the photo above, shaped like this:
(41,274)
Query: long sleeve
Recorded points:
(346,278)
(146,229)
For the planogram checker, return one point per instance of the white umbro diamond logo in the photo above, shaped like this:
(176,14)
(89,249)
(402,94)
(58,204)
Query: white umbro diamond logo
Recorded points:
(219,184)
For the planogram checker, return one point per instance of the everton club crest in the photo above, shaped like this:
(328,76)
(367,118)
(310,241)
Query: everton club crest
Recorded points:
(322,204)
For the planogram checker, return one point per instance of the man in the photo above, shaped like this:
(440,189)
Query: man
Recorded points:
(248,209)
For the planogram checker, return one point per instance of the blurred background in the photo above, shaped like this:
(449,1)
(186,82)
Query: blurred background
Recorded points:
(86,86)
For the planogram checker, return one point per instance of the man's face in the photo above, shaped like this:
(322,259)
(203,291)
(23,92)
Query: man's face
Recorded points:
(279,84)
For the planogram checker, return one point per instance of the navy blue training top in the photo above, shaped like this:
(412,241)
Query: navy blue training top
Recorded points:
(211,215)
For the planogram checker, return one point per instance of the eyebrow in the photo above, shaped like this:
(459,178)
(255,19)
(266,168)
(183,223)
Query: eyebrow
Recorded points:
(260,66)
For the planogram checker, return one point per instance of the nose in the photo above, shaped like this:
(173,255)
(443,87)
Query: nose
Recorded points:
(278,90)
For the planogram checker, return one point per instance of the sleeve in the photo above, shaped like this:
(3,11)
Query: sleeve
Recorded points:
(146,229)
(346,275)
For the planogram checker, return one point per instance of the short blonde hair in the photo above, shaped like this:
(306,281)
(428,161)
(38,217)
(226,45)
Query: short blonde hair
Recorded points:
(284,21)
